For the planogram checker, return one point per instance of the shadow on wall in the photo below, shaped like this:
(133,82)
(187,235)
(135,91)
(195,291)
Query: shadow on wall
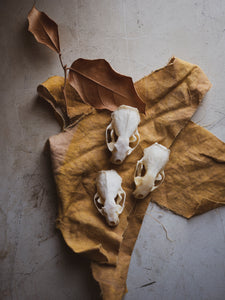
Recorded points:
(35,53)
(43,108)
(79,268)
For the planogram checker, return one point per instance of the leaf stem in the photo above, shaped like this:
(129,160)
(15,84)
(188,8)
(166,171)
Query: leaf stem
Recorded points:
(65,76)
(60,59)
(64,68)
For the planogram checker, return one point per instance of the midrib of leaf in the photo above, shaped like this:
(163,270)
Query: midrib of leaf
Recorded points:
(100,98)
(95,81)
(49,36)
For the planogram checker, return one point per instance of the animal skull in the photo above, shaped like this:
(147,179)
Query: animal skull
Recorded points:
(110,197)
(149,172)
(122,131)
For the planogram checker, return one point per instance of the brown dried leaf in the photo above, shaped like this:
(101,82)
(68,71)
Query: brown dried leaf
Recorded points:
(100,86)
(44,29)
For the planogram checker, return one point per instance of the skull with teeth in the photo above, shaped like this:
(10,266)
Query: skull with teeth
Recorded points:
(149,172)
(110,197)
(122,135)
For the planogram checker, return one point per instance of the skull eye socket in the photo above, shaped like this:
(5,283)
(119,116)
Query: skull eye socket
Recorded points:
(98,202)
(111,136)
(134,140)
(158,180)
(132,143)
(143,171)
(117,199)
(140,170)
(120,200)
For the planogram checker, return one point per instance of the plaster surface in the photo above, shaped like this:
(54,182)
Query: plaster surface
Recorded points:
(136,37)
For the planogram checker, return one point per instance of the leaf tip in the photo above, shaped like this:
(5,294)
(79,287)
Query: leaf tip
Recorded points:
(44,29)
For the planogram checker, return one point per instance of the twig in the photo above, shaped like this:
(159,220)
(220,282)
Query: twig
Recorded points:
(147,284)
(64,69)
(64,86)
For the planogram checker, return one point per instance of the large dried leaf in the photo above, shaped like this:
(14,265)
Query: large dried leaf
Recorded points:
(100,86)
(183,85)
(44,29)
(195,173)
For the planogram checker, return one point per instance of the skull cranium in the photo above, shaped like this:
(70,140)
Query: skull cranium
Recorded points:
(149,172)
(110,197)
(122,135)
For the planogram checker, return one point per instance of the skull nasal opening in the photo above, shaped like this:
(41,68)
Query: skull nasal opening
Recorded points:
(112,223)
(118,161)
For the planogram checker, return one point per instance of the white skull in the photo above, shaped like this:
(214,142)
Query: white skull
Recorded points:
(149,172)
(110,197)
(122,131)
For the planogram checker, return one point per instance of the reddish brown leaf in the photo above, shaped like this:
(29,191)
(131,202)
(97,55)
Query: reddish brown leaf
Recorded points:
(44,29)
(100,86)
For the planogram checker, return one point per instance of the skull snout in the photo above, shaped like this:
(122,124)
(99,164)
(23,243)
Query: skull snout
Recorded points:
(121,148)
(144,186)
(141,192)
(112,216)
(113,223)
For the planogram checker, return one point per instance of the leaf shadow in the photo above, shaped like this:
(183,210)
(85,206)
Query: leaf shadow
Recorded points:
(34,52)
(45,109)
